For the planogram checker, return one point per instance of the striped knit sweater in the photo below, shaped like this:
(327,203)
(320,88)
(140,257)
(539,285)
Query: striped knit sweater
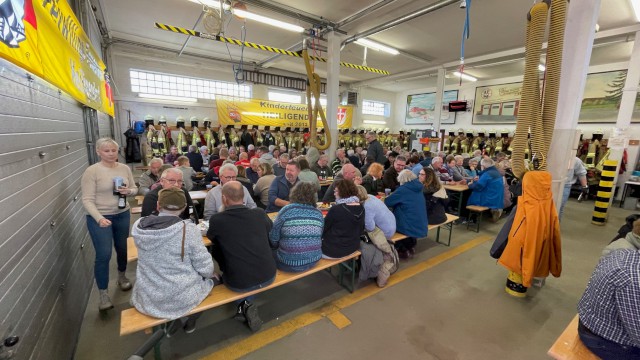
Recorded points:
(297,235)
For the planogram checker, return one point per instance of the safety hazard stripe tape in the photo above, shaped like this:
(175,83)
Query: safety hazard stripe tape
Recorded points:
(597,221)
(180,30)
(602,198)
(608,173)
(606,178)
(606,184)
(602,204)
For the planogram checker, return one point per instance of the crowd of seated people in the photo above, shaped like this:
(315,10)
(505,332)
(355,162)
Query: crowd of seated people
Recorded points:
(405,196)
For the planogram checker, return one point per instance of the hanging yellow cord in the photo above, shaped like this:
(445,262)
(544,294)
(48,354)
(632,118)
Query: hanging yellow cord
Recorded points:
(314,108)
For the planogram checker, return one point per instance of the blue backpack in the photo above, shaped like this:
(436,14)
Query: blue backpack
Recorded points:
(138,127)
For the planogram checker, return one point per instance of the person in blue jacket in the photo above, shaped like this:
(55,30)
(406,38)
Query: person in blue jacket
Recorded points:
(489,189)
(410,210)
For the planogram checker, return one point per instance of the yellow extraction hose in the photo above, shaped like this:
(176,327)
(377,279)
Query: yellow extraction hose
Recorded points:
(529,110)
(553,68)
(537,111)
(314,108)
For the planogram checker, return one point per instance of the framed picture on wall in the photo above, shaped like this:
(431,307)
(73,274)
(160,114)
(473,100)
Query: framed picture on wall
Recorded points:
(602,95)
(421,107)
(497,104)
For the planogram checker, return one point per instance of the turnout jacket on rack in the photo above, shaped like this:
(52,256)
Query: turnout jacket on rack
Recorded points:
(534,248)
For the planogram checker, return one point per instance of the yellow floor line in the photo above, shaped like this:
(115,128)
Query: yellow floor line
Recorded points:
(268,336)
(339,320)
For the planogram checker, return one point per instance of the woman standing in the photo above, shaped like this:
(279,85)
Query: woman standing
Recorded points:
(105,186)
(261,188)
(344,223)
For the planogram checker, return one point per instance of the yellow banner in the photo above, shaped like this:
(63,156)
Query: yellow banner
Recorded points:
(44,37)
(272,113)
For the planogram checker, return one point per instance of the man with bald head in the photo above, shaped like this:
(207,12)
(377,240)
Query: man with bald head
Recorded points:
(348,172)
(240,238)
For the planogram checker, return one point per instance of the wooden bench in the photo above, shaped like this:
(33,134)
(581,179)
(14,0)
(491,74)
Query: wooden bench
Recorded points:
(136,210)
(447,225)
(139,199)
(132,250)
(132,321)
(568,346)
(477,210)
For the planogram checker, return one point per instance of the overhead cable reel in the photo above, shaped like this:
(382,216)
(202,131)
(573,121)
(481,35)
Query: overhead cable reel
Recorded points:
(314,108)
(228,40)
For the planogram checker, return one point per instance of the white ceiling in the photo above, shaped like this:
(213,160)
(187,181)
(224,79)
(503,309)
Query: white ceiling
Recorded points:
(496,25)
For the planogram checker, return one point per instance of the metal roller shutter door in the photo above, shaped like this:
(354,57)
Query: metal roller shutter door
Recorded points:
(46,258)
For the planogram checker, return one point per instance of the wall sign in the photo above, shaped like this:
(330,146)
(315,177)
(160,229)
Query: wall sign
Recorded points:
(45,38)
(497,104)
(240,111)
(421,107)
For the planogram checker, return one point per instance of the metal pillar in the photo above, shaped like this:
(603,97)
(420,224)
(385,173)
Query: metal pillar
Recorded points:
(578,43)
(333,92)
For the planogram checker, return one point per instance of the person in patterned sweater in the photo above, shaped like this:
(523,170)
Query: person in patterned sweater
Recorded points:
(296,235)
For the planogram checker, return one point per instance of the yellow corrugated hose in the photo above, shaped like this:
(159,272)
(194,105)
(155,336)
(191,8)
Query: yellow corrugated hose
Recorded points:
(529,115)
(313,106)
(537,111)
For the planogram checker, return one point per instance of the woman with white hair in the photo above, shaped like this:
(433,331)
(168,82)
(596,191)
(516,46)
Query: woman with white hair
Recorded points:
(410,210)
(105,186)
(489,189)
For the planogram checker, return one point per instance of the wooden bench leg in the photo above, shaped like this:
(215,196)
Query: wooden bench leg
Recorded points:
(153,342)
(449,227)
(351,268)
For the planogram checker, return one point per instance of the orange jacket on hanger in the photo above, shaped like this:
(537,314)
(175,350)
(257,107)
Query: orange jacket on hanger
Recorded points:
(534,248)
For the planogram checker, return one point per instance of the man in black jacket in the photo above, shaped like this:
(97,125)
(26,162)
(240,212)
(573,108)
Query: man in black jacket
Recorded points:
(240,238)
(195,158)
(171,177)
(375,149)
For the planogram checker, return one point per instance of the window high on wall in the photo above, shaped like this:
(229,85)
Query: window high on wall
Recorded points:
(146,82)
(370,107)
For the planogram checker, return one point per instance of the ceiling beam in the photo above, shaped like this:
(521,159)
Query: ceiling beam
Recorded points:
(601,35)
(400,20)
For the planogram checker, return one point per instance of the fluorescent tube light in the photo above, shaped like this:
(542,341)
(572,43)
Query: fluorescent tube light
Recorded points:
(541,67)
(168,97)
(210,3)
(635,4)
(376,46)
(377,122)
(269,21)
(464,76)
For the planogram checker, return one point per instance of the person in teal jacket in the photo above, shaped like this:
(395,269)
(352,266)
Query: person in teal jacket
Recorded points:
(410,210)
(489,189)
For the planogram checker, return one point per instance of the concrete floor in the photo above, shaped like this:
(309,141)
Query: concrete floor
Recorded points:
(454,310)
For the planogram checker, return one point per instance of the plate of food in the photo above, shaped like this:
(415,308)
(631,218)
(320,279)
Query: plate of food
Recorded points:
(203,226)
(323,206)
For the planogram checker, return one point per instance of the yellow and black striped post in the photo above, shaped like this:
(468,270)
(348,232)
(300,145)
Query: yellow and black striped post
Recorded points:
(181,30)
(605,192)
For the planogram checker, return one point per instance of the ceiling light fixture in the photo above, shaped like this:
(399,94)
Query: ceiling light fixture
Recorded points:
(210,3)
(635,4)
(168,97)
(377,47)
(377,122)
(266,20)
(464,76)
(541,67)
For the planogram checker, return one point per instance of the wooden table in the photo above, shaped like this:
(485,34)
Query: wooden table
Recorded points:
(627,185)
(456,191)
(142,168)
(198,195)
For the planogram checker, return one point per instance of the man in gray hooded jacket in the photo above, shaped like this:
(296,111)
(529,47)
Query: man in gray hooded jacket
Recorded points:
(630,241)
(174,268)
